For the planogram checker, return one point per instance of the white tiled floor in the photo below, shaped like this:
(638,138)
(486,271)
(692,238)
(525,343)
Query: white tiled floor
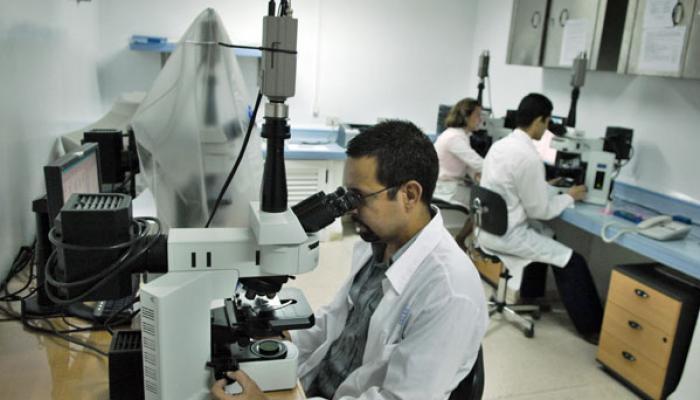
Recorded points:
(555,364)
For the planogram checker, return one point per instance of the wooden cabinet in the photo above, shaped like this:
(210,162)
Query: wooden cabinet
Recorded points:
(648,324)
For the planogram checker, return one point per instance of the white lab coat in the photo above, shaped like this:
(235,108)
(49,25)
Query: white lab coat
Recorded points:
(456,155)
(514,170)
(425,334)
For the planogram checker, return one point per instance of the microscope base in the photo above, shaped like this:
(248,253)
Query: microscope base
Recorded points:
(271,375)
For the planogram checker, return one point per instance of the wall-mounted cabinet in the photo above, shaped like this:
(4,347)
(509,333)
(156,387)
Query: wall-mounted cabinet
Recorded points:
(691,67)
(646,37)
(601,28)
(571,23)
(661,37)
(527,32)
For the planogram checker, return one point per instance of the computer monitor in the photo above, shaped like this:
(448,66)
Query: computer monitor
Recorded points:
(75,172)
(557,125)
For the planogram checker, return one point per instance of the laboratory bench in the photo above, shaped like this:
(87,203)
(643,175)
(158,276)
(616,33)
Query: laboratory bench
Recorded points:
(36,366)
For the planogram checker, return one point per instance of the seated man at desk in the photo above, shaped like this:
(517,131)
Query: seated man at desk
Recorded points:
(458,160)
(409,320)
(514,170)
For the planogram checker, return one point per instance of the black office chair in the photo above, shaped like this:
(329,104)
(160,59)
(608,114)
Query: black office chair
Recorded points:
(472,386)
(491,215)
(443,110)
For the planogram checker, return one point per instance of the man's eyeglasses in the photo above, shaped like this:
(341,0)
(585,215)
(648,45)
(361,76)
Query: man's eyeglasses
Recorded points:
(362,197)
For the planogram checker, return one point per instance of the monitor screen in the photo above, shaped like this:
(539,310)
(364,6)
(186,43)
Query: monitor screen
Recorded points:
(75,172)
(80,176)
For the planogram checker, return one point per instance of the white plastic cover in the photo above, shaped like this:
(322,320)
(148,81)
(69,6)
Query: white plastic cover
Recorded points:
(190,130)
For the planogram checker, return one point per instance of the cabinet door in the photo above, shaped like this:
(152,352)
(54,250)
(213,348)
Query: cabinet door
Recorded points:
(305,178)
(561,11)
(660,50)
(526,32)
(691,68)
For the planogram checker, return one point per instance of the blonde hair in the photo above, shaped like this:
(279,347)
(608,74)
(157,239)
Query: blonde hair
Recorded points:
(460,112)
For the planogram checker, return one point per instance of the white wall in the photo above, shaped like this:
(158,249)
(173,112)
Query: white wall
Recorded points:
(664,112)
(358,60)
(48,53)
(395,58)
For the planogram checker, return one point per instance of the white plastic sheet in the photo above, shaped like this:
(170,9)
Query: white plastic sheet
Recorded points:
(190,129)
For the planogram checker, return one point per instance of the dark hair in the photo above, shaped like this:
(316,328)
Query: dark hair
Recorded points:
(531,107)
(460,112)
(403,153)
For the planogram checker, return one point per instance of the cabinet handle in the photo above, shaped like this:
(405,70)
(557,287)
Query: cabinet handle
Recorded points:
(634,325)
(536,19)
(629,356)
(641,293)
(563,17)
(677,13)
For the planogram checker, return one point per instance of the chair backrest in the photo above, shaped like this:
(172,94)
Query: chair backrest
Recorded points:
(472,386)
(489,210)
(443,110)
(445,205)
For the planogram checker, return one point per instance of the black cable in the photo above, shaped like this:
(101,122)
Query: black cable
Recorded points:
(62,334)
(106,275)
(18,264)
(136,223)
(124,307)
(283,8)
(138,237)
(238,160)
(270,49)
(76,327)
(121,321)
(24,258)
(55,332)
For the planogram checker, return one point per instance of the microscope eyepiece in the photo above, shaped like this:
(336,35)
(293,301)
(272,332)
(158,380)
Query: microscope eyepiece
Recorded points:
(320,210)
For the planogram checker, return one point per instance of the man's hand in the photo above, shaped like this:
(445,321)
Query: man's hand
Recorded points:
(578,192)
(251,391)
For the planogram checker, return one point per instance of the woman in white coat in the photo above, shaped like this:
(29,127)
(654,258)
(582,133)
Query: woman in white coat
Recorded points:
(514,170)
(460,164)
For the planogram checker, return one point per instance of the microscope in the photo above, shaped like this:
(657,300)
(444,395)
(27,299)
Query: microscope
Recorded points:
(220,304)
(593,162)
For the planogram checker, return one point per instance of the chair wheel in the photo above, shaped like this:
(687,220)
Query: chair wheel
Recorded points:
(530,333)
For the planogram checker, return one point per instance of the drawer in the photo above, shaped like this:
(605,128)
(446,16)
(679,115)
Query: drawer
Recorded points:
(645,302)
(634,367)
(638,334)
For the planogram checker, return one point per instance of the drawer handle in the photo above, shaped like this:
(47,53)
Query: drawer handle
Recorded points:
(634,325)
(641,293)
(628,356)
